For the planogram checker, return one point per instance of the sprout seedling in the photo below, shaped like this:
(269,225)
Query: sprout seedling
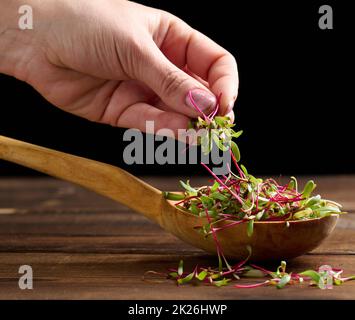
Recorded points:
(239,197)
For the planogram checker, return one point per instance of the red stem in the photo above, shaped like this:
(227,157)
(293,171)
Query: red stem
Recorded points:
(222,183)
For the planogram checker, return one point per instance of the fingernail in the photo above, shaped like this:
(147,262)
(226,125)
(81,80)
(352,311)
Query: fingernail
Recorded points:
(202,99)
(230,106)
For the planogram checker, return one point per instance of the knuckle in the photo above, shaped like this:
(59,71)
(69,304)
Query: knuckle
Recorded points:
(134,55)
(172,82)
(131,51)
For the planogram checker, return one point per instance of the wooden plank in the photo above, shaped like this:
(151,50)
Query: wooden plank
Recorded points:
(336,244)
(154,243)
(82,245)
(119,276)
(38,193)
(118,232)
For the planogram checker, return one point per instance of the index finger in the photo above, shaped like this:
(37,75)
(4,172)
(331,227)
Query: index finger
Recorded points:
(215,65)
(185,46)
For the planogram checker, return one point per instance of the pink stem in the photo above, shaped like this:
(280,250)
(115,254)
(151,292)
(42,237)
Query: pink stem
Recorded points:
(222,183)
(228,225)
(241,173)
(219,249)
(197,107)
(261,269)
(251,285)
(186,199)
(213,113)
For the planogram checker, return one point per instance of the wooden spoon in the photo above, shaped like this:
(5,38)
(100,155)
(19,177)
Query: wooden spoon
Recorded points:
(270,240)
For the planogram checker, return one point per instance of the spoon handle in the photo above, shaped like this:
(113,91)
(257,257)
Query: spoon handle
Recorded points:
(102,178)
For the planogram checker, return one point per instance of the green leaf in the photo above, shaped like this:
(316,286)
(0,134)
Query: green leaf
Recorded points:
(313,200)
(284,280)
(308,189)
(206,144)
(173,274)
(259,215)
(187,279)
(194,210)
(329,209)
(213,213)
(281,269)
(283,266)
(202,275)
(237,134)
(187,186)
(293,184)
(207,201)
(219,196)
(253,273)
(235,151)
(302,214)
(314,275)
(244,169)
(247,204)
(222,282)
(215,276)
(222,145)
(215,138)
(250,228)
(181,268)
(173,196)
(220,120)
(215,186)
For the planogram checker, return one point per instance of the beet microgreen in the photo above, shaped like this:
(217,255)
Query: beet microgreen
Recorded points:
(216,130)
(242,198)
(234,274)
(250,228)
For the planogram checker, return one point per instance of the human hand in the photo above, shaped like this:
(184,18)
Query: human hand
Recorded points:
(120,63)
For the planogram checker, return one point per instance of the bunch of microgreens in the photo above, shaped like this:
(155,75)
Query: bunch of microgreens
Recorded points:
(214,130)
(242,198)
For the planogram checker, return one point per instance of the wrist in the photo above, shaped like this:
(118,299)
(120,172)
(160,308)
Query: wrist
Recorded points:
(21,40)
(13,40)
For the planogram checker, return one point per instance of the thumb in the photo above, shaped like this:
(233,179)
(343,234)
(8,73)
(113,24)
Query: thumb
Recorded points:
(174,86)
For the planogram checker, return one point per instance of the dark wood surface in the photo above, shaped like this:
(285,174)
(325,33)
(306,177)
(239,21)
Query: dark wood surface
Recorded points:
(83,246)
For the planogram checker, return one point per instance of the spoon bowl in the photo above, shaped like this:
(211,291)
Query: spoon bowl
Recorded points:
(269,241)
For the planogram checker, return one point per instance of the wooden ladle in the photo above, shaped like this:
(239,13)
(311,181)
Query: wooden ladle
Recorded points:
(270,240)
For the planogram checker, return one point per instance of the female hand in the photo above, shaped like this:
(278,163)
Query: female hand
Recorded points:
(117,62)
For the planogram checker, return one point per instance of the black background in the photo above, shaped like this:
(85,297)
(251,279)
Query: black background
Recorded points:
(295,100)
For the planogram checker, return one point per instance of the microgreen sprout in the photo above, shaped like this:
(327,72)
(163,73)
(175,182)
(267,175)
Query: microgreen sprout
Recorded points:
(234,274)
(216,130)
(242,198)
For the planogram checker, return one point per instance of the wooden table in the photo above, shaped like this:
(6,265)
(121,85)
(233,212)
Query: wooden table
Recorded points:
(83,246)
